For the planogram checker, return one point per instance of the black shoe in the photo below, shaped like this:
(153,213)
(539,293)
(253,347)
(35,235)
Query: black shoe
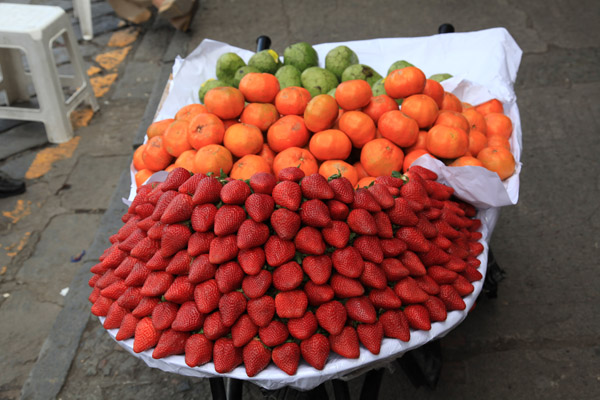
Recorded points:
(10,186)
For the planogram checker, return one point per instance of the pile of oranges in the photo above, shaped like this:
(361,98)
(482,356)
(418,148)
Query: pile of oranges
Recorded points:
(260,128)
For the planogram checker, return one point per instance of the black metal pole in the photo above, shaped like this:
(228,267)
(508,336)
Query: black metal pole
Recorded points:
(217,388)
(262,43)
(372,384)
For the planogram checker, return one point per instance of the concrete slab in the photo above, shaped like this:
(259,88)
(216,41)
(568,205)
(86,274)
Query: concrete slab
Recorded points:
(22,137)
(155,42)
(138,78)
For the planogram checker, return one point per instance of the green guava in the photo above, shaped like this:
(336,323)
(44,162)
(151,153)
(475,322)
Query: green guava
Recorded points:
(399,65)
(340,58)
(266,61)
(227,65)
(379,88)
(288,75)
(240,73)
(318,80)
(361,71)
(440,77)
(301,55)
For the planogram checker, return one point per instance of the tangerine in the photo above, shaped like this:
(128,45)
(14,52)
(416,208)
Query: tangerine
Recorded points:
(261,115)
(320,113)
(435,90)
(353,94)
(466,161)
(205,129)
(451,102)
(154,155)
(447,142)
(498,141)
(138,161)
(142,176)
(213,158)
(498,124)
(398,127)
(421,143)
(498,160)
(330,144)
(411,157)
(292,100)
(187,160)
(225,102)
(241,139)
(475,119)
(295,157)
(267,154)
(404,82)
(381,157)
(158,128)
(477,142)
(490,106)
(288,131)
(379,105)
(249,165)
(364,182)
(359,127)
(421,108)
(453,119)
(189,111)
(259,87)
(175,138)
(333,167)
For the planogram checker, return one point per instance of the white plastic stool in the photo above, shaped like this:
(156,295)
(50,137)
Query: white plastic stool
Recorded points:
(83,10)
(33,29)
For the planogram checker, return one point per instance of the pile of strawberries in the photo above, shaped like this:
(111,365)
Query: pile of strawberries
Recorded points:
(275,269)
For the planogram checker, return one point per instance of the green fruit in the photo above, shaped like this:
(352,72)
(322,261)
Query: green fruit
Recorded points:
(399,65)
(288,75)
(379,88)
(207,85)
(240,73)
(361,71)
(332,92)
(440,77)
(301,55)
(318,80)
(340,58)
(227,65)
(265,61)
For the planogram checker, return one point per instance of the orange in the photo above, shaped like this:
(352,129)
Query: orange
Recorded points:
(398,127)
(170,168)
(187,160)
(320,113)
(205,129)
(421,108)
(241,139)
(498,124)
(364,182)
(228,122)
(435,90)
(141,176)
(189,111)
(333,167)
(381,157)
(477,142)
(498,141)
(451,102)
(465,161)
(261,115)
(175,138)
(292,100)
(475,119)
(267,154)
(225,102)
(379,105)
(404,82)
(447,142)
(498,160)
(295,157)
(454,119)
(259,87)
(249,165)
(138,161)
(411,157)
(330,144)
(359,127)
(213,158)
(353,94)
(158,128)
(288,131)
(490,106)
(421,143)
(154,155)
(360,170)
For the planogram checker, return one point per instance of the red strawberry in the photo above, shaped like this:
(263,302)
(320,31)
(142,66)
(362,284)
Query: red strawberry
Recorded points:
(94,279)
(261,310)
(179,209)
(345,287)
(279,251)
(128,228)
(259,206)
(181,290)
(445,229)
(287,356)
(146,335)
(456,264)
(190,185)
(207,191)
(252,260)
(164,314)
(369,248)
(155,194)
(332,316)
(346,343)
(174,238)
(112,260)
(315,350)
(348,262)
(435,256)
(156,284)
(337,234)
(293,174)
(315,213)
(252,234)
(431,213)
(287,194)
(303,327)
(438,190)
(138,275)
(394,270)
(441,242)
(384,225)
(426,227)
(114,290)
(130,298)
(441,275)
(235,192)
(179,264)
(414,191)
(471,274)
(132,240)
(463,286)
(338,210)
(392,247)
(425,173)
(158,262)
(175,178)
(385,298)
(229,277)
(473,262)
(255,286)
(360,309)
(391,181)
(256,357)
(343,190)
(155,232)
(263,182)
(413,238)
(382,195)
(418,317)
(206,296)
(285,223)
(413,263)
(171,342)
(231,306)
(213,326)
(458,251)
(315,186)
(145,307)
(309,240)
(362,222)
(428,284)
(363,199)
(144,210)
(162,204)
(228,219)
(318,268)
(395,325)
(140,197)
(243,330)
(225,355)
(287,276)
(274,334)
(114,316)
(451,298)
(223,249)
(291,304)
(201,269)
(199,243)
(402,214)
(318,294)
(371,335)
(188,318)
(475,236)
(372,276)
(409,292)
(475,249)
(145,249)
(203,217)
(198,350)
(436,309)
(475,225)
(127,327)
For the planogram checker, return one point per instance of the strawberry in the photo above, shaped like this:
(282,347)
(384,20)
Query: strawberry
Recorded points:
(346,343)
(114,290)
(229,277)
(426,227)
(287,194)
(402,214)
(413,263)
(363,199)
(146,335)
(279,251)
(259,206)
(338,210)
(413,238)
(371,335)
(309,240)
(262,182)
(255,286)
(293,174)
(190,185)
(315,213)
(475,225)
(228,219)
(127,327)
(409,292)
(456,264)
(431,213)
(175,179)
(243,330)
(318,268)
(463,286)
(174,238)
(414,191)
(395,325)
(201,269)
(436,309)
(423,172)
(458,248)
(261,310)
(435,256)
(199,243)
(384,225)
(287,356)
(158,262)
(181,290)
(155,194)
(252,234)
(315,186)
(369,248)
(145,249)
(256,357)
(315,350)
(145,307)
(164,314)
(343,190)
(394,270)
(428,284)
(155,232)
(303,327)
(226,356)
(360,309)
(188,318)
(94,279)
(449,215)
(475,249)
(438,190)
(451,298)
(138,275)
(235,192)
(198,350)
(207,191)
(112,260)
(392,247)
(144,210)
(162,204)
(287,276)
(179,209)
(252,260)
(213,326)
(206,296)
(473,262)
(471,274)
(391,181)
(385,298)
(348,262)
(140,197)
(337,234)
(128,228)
(203,217)
(285,223)
(274,334)
(441,275)
(362,222)
(132,240)
(445,229)
(291,304)
(332,316)
(231,306)
(114,316)
(171,342)
(223,249)
(372,276)
(345,287)
(130,298)
(318,294)
(381,195)
(179,264)
(475,236)
(418,317)
(441,242)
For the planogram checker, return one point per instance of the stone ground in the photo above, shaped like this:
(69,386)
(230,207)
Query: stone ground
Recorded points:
(538,339)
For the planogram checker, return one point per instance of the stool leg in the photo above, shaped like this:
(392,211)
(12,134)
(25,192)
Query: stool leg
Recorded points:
(12,66)
(83,9)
